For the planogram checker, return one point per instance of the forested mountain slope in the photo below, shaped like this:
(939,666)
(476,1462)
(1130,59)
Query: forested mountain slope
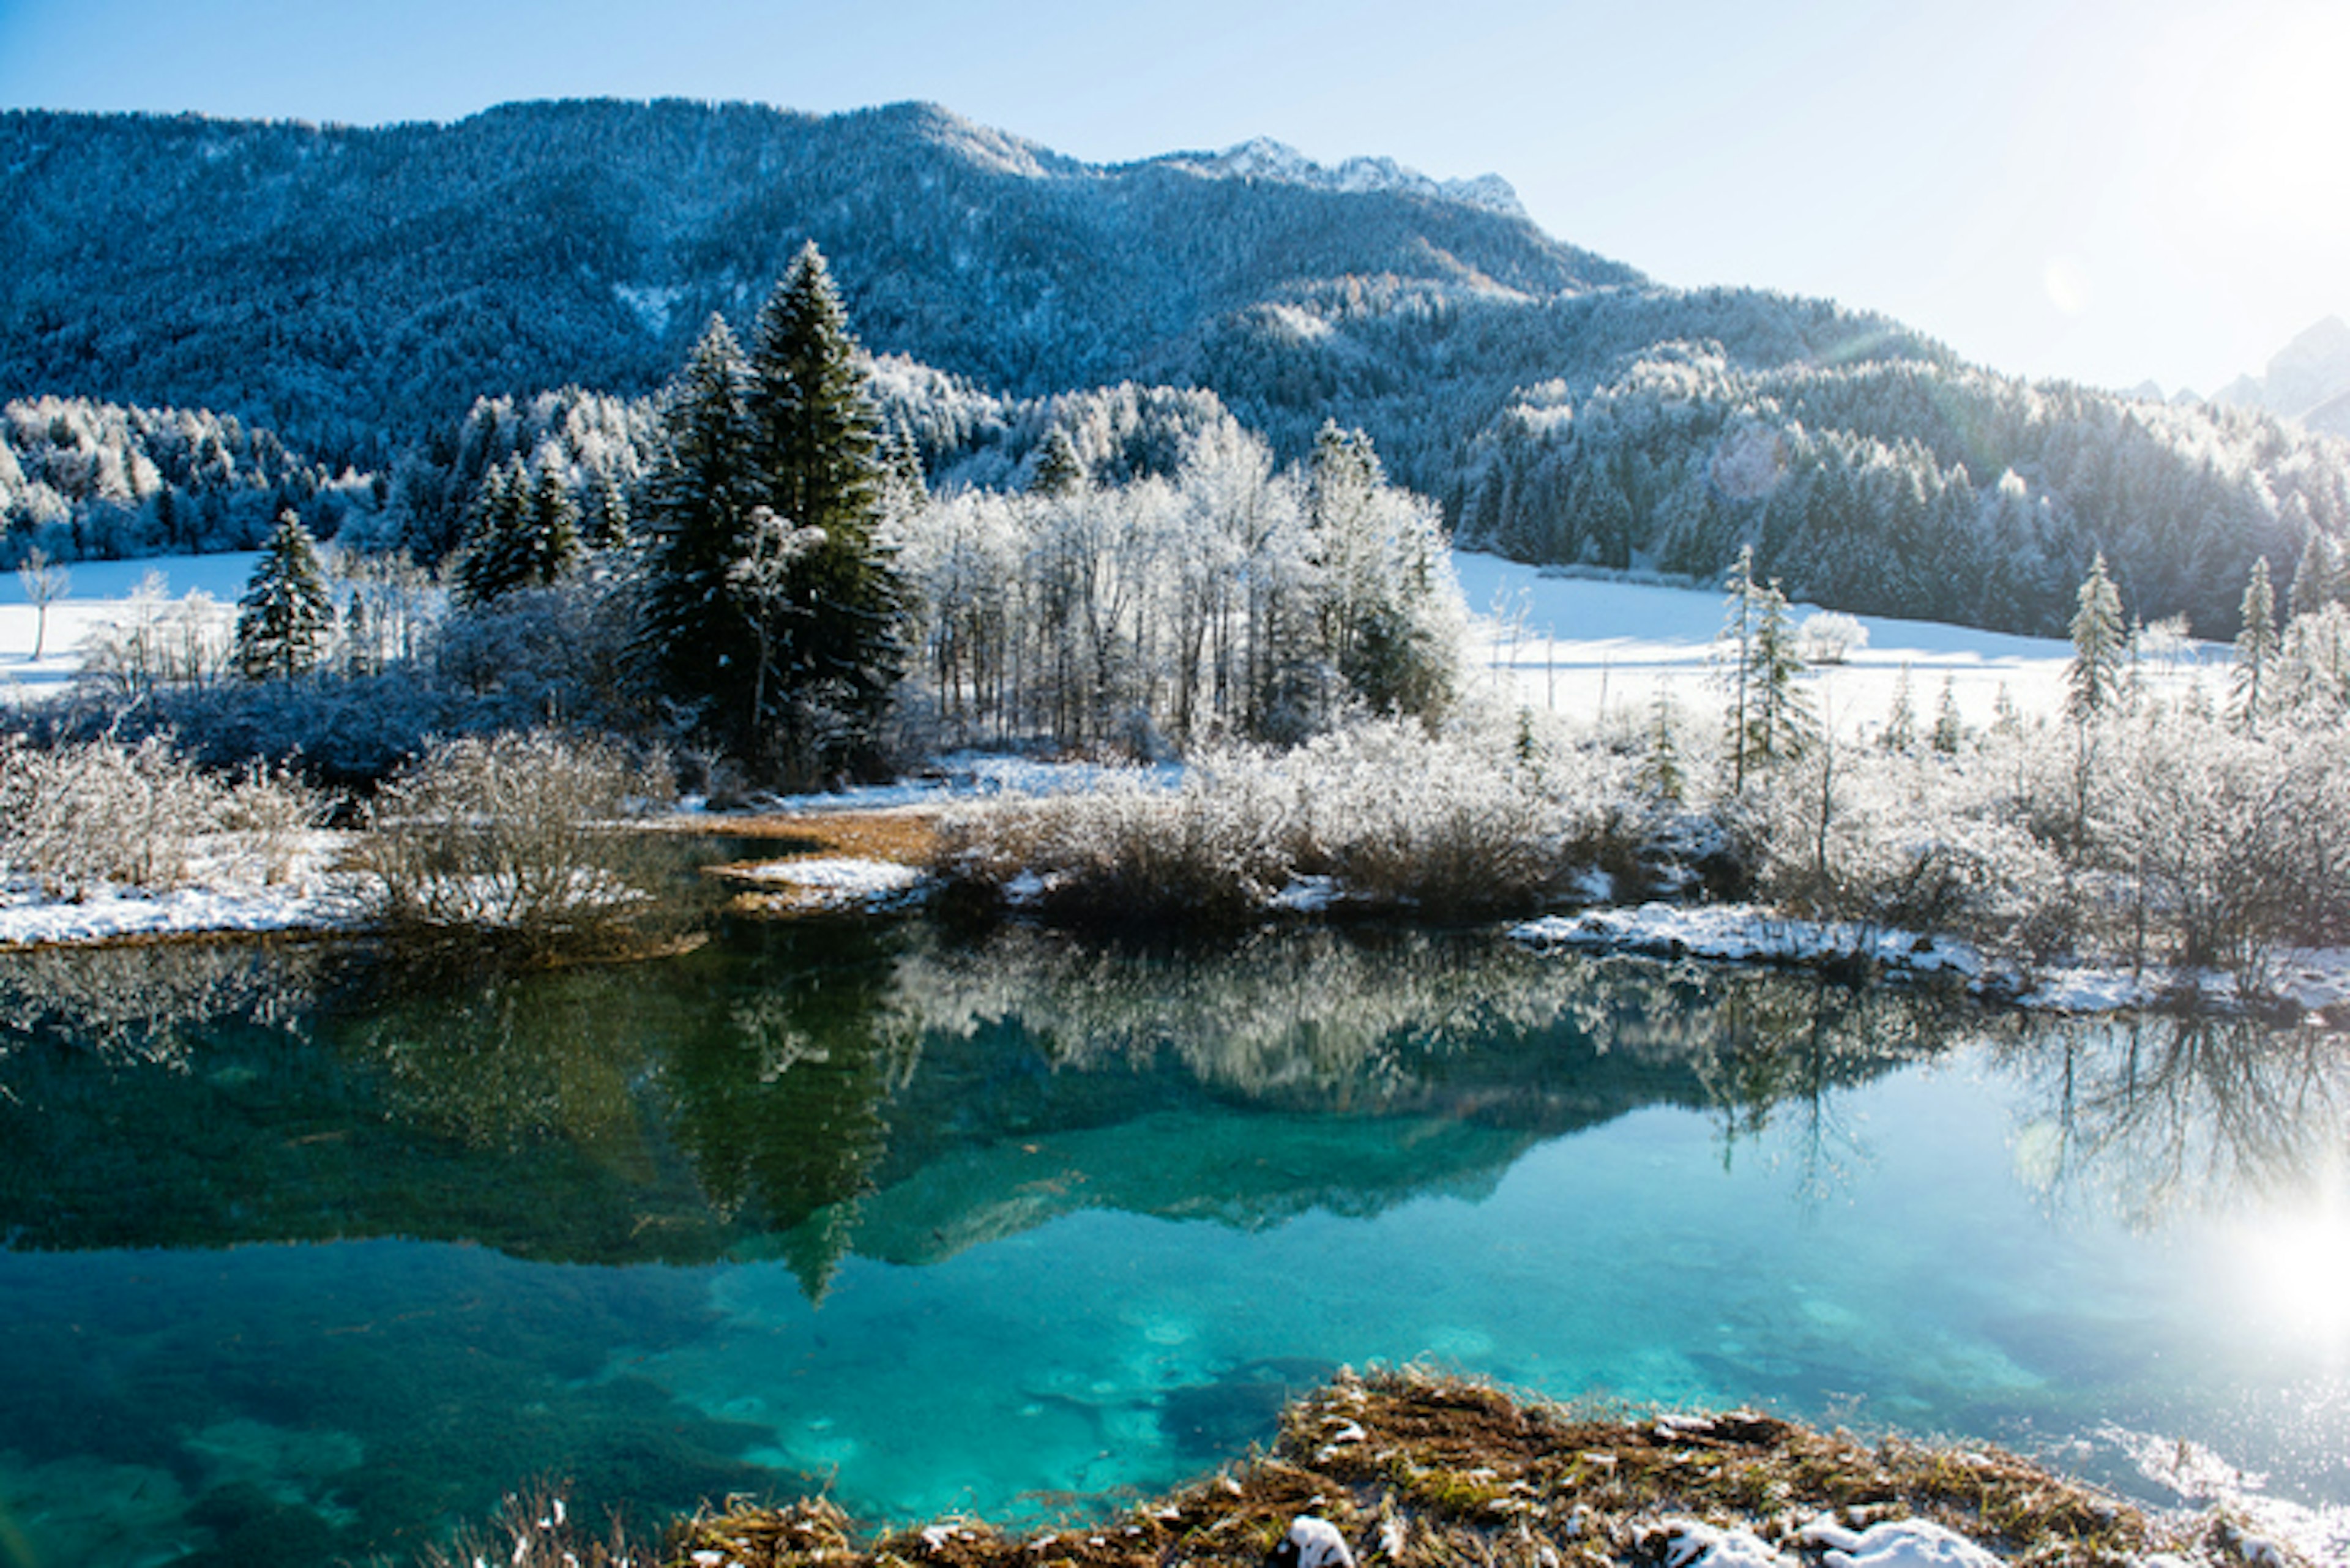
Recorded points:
(355,293)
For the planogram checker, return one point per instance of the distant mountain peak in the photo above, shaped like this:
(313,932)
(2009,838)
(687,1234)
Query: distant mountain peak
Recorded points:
(1262,158)
(2307,379)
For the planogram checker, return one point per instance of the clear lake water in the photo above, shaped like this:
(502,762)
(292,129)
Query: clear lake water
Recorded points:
(310,1257)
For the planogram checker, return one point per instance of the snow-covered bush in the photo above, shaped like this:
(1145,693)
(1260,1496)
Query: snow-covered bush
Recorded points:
(1386,814)
(522,837)
(1136,851)
(1439,823)
(78,815)
(1829,637)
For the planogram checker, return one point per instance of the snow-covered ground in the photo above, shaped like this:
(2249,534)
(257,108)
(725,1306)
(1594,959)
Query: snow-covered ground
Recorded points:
(101,594)
(224,895)
(1591,646)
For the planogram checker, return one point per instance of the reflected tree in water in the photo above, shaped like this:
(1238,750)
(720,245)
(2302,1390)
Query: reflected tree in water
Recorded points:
(2149,1114)
(146,1003)
(1784,1045)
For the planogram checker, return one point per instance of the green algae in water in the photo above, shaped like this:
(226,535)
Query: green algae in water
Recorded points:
(1026,1225)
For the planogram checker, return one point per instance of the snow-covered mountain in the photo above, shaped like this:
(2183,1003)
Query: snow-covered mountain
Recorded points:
(384,302)
(2307,379)
(1264,159)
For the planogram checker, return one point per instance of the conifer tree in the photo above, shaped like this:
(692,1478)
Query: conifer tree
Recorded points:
(287,614)
(1660,766)
(2257,645)
(699,646)
(605,519)
(816,463)
(1059,470)
(1901,724)
(1768,719)
(2313,580)
(1949,730)
(495,558)
(2095,679)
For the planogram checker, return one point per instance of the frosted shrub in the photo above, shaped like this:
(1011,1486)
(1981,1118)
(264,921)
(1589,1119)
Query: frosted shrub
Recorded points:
(1393,816)
(1440,824)
(1920,842)
(107,811)
(521,836)
(2235,847)
(1135,852)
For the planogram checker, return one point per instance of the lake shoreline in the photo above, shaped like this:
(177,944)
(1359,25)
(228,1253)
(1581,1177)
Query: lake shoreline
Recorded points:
(1414,1469)
(880,858)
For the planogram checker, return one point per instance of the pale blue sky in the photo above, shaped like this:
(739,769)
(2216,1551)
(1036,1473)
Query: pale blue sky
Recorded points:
(2115,190)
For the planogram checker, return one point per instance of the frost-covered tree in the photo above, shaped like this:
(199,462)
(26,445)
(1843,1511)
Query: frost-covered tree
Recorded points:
(2251,682)
(692,638)
(814,459)
(2315,580)
(1661,774)
(287,613)
(1949,730)
(1767,718)
(1387,616)
(2095,678)
(44,582)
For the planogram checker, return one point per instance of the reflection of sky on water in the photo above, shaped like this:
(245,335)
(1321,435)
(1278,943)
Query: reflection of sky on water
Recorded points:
(1075,1221)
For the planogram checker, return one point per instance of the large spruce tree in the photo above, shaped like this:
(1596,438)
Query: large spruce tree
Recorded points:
(817,463)
(699,645)
(287,613)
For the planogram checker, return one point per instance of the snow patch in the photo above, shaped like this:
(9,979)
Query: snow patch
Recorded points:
(1895,1543)
(837,879)
(220,898)
(1690,1544)
(2312,980)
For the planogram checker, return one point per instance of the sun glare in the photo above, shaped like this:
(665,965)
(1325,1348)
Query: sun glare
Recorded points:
(2271,116)
(2295,1264)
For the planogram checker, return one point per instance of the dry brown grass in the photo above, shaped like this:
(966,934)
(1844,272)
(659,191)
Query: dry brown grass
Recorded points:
(904,835)
(1420,1471)
(907,834)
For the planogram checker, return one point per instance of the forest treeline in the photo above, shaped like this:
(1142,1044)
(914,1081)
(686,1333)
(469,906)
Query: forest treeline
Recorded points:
(379,319)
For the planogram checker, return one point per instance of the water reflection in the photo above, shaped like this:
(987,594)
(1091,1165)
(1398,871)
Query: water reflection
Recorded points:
(2144,1116)
(851,1100)
(755,1098)
(752,1099)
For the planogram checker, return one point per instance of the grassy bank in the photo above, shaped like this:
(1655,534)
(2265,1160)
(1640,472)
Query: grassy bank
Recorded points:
(1422,1471)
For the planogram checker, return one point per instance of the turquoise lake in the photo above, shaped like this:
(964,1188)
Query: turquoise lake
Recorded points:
(307,1255)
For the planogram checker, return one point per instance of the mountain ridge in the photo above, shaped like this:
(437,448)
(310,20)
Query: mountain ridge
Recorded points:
(367,293)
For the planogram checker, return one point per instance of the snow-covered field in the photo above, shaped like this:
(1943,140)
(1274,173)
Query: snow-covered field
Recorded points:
(103,593)
(1575,645)
(1591,646)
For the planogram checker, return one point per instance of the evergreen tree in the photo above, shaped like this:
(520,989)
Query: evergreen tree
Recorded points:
(816,463)
(698,645)
(284,619)
(1901,724)
(495,557)
(2313,580)
(554,539)
(1059,470)
(1769,720)
(1660,766)
(1949,730)
(2100,645)
(606,521)
(2257,645)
